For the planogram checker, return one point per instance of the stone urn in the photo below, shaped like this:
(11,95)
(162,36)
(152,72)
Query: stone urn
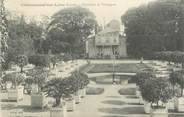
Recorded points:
(159,112)
(70,104)
(59,111)
(179,104)
(147,107)
(83,92)
(16,113)
(77,97)
(170,104)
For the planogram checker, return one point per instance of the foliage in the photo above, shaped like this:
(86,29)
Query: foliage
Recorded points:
(53,88)
(67,57)
(24,36)
(94,90)
(38,76)
(39,60)
(22,60)
(171,56)
(59,88)
(4,36)
(15,78)
(127,91)
(156,90)
(29,80)
(64,88)
(81,80)
(174,77)
(177,78)
(69,28)
(157,26)
(54,59)
(3,29)
(141,78)
(121,67)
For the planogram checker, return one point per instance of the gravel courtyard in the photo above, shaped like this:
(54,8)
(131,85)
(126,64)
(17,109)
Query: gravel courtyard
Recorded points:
(108,104)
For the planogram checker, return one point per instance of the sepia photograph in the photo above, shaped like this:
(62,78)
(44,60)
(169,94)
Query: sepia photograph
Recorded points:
(91,58)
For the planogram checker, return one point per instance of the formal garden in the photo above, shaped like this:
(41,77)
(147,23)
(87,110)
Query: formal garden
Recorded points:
(36,86)
(46,72)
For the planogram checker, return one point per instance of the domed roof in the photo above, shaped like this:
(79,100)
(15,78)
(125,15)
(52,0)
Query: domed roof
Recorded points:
(112,26)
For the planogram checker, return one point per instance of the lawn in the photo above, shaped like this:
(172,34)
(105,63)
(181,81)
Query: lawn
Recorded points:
(122,68)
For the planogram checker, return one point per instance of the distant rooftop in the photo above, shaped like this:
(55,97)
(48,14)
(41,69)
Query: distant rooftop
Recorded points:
(112,26)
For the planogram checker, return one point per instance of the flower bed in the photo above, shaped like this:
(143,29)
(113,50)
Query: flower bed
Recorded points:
(123,67)
(94,91)
(127,91)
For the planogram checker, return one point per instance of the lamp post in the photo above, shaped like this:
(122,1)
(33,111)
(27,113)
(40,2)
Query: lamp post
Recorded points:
(113,69)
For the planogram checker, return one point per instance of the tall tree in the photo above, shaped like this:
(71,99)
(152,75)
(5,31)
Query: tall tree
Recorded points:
(154,27)
(69,28)
(3,33)
(24,38)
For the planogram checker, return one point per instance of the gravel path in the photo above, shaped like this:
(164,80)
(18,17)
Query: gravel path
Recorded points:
(108,104)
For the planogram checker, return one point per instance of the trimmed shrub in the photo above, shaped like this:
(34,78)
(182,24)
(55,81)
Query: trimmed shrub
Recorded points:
(40,60)
(176,78)
(15,78)
(156,90)
(67,57)
(21,61)
(94,91)
(127,91)
(141,77)
(170,56)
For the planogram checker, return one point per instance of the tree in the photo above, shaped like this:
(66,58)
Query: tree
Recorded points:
(3,34)
(54,60)
(154,27)
(141,78)
(59,88)
(174,56)
(69,28)
(15,78)
(39,60)
(39,76)
(28,82)
(22,61)
(3,29)
(180,80)
(155,90)
(173,79)
(24,37)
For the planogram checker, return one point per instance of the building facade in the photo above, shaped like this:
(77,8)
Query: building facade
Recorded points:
(107,43)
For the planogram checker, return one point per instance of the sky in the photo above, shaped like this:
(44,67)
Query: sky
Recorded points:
(104,10)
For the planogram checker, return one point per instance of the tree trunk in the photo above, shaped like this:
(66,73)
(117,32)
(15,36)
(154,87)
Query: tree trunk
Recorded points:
(54,65)
(58,101)
(181,91)
(21,69)
(157,104)
(173,91)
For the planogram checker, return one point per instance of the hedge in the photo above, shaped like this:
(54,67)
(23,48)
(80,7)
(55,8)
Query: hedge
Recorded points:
(39,60)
